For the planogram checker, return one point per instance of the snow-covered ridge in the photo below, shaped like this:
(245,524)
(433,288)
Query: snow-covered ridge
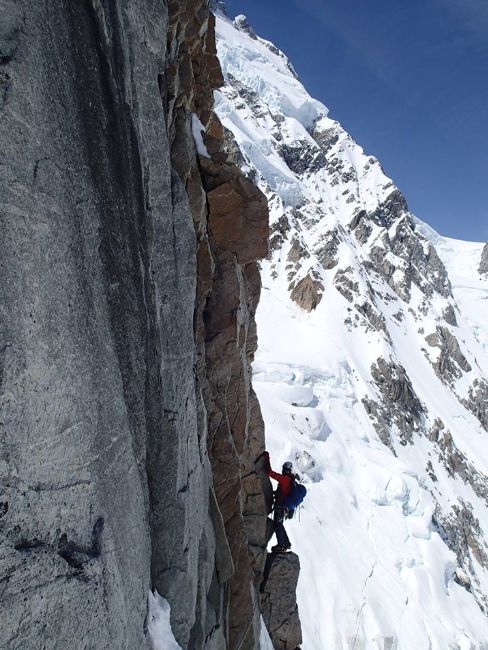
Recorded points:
(469,286)
(371,373)
(265,71)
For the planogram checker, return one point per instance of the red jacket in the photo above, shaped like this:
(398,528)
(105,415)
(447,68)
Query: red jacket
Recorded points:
(284,481)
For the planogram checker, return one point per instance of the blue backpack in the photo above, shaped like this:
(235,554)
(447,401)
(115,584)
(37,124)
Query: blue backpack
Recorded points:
(295,497)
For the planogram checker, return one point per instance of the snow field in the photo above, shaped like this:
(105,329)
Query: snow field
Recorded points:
(376,573)
(371,563)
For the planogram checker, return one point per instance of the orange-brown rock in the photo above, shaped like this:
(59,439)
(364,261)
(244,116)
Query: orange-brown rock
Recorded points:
(237,219)
(308,292)
(231,225)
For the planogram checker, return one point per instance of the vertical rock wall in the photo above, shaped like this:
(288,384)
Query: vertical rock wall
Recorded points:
(278,601)
(128,286)
(231,225)
(87,214)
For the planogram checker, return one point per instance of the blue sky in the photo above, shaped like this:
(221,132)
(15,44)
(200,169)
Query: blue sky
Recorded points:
(409,80)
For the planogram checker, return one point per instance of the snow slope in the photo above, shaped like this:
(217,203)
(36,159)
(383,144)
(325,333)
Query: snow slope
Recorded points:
(371,373)
(470,289)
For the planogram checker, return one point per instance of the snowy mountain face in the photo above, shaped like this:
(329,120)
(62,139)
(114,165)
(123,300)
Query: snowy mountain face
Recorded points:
(371,372)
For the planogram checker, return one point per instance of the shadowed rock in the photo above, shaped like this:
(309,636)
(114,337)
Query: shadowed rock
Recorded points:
(89,249)
(461,531)
(483,268)
(278,601)
(326,250)
(450,362)
(400,405)
(477,401)
(345,284)
(449,315)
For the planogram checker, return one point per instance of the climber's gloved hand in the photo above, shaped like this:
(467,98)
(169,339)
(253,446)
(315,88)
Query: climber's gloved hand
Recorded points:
(266,463)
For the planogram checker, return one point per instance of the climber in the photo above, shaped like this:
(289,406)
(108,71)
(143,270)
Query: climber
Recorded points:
(285,483)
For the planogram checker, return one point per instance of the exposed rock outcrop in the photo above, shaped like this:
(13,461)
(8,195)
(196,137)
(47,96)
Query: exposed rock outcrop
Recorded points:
(308,292)
(129,283)
(278,601)
(399,406)
(477,401)
(483,268)
(456,462)
(449,315)
(326,250)
(345,284)
(415,262)
(461,531)
(96,288)
(450,362)
(235,427)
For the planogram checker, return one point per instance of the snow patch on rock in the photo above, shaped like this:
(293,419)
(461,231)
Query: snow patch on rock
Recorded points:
(197,130)
(158,625)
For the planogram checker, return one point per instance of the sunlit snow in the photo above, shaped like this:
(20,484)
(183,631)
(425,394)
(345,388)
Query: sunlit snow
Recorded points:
(197,129)
(375,572)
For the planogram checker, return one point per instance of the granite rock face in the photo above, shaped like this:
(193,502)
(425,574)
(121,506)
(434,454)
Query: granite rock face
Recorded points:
(128,425)
(278,601)
(85,241)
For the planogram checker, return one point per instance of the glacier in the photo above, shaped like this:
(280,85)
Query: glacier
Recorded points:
(371,372)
